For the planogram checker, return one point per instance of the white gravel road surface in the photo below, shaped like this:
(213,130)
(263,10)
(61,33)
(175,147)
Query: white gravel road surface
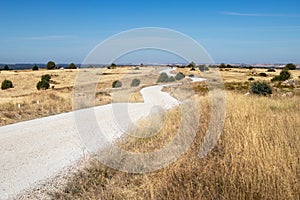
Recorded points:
(36,150)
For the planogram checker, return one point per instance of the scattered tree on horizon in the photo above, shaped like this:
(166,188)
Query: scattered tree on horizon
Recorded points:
(290,66)
(6,67)
(72,66)
(51,65)
(35,68)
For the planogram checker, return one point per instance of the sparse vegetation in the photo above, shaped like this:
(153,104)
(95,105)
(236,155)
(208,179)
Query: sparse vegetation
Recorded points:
(257,157)
(135,82)
(6,84)
(117,84)
(251,79)
(261,88)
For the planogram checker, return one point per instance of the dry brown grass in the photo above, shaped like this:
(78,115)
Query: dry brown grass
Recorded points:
(36,104)
(257,157)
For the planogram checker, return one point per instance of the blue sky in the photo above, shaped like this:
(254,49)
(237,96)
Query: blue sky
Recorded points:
(256,31)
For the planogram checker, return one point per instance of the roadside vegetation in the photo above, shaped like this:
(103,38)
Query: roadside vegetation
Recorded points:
(257,156)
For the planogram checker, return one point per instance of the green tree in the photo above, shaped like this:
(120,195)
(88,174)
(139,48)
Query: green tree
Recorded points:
(6,84)
(51,65)
(35,68)
(6,67)
(290,66)
(72,66)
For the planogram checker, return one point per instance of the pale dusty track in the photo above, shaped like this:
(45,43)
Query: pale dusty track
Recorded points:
(37,150)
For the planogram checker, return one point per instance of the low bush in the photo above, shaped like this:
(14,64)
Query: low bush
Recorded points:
(271,70)
(163,77)
(261,88)
(179,76)
(43,84)
(263,74)
(135,82)
(117,84)
(46,77)
(171,79)
(6,84)
(284,75)
(35,68)
(251,79)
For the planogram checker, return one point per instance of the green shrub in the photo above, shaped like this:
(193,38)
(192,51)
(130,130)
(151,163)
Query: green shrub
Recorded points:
(260,88)
(271,70)
(251,79)
(112,66)
(43,84)
(51,65)
(117,84)
(6,84)
(290,66)
(263,74)
(163,77)
(6,67)
(46,77)
(171,79)
(135,82)
(72,66)
(284,75)
(35,68)
(179,76)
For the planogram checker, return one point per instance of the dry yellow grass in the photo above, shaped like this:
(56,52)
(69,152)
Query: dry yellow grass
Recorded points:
(35,104)
(257,157)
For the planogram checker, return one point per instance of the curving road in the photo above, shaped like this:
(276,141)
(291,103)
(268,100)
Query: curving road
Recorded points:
(36,150)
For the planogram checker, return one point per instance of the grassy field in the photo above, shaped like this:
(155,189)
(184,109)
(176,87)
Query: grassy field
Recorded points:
(257,156)
(58,99)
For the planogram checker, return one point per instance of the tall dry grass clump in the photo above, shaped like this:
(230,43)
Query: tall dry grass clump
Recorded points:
(257,157)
